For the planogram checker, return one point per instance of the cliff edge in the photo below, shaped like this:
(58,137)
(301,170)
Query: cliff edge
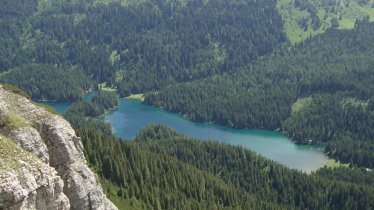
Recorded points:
(42,165)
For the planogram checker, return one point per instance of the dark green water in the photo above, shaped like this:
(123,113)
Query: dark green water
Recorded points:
(131,116)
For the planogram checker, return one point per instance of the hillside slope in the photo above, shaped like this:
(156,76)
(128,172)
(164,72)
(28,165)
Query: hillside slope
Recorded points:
(136,46)
(338,62)
(162,169)
(305,18)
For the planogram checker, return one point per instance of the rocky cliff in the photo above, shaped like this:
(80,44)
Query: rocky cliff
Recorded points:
(42,165)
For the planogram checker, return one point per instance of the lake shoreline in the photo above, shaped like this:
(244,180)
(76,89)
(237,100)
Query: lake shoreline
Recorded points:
(132,114)
(139,97)
(278,130)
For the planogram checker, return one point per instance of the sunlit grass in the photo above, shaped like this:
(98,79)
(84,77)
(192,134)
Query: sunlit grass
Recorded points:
(346,16)
(139,97)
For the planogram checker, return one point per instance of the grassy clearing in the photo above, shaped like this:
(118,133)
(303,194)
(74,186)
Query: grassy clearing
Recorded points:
(331,163)
(139,97)
(346,24)
(291,16)
(346,15)
(369,11)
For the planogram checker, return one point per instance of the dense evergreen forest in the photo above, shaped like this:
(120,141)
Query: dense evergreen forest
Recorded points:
(145,46)
(234,63)
(305,18)
(210,60)
(99,104)
(42,81)
(162,169)
(317,91)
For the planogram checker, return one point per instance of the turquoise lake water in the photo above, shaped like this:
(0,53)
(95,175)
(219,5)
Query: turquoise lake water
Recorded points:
(132,115)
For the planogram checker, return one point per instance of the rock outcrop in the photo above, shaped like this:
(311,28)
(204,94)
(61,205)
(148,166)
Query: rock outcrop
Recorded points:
(50,171)
(26,182)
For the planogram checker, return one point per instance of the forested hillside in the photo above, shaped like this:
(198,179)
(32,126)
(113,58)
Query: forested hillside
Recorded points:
(140,46)
(102,102)
(201,57)
(162,169)
(165,170)
(13,14)
(335,69)
(305,18)
(43,81)
(238,63)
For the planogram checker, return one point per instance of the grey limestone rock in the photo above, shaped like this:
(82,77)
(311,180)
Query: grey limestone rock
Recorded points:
(58,161)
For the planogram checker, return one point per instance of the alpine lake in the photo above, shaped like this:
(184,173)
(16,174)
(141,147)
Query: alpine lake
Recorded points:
(131,115)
